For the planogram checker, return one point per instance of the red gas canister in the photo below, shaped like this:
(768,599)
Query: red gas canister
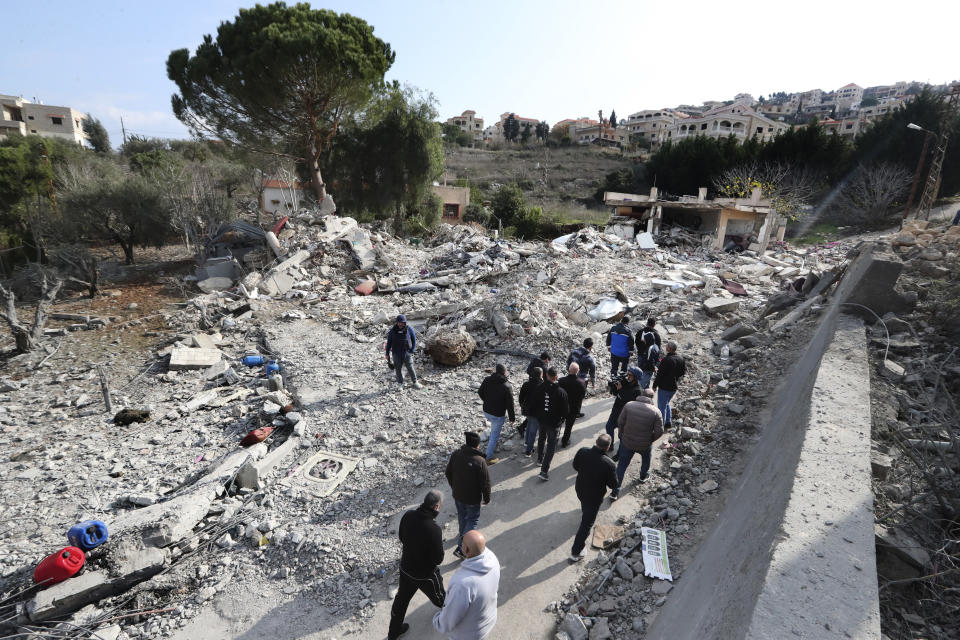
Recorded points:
(59,566)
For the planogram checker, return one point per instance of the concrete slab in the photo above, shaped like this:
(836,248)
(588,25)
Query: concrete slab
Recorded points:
(184,358)
(720,305)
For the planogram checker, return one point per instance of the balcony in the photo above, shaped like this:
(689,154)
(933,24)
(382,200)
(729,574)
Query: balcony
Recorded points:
(7,126)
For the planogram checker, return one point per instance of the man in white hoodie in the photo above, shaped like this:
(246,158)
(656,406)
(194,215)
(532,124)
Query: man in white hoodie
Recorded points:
(470,609)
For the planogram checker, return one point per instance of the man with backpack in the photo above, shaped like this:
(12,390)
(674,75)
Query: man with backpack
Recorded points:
(542,362)
(497,396)
(650,327)
(620,345)
(648,357)
(585,361)
(671,369)
(401,343)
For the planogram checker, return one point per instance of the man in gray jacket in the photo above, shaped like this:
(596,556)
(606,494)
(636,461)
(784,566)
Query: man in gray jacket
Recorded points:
(640,424)
(470,609)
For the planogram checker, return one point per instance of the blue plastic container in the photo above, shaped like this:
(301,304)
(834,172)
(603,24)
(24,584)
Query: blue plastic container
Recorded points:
(272,367)
(88,534)
(253,361)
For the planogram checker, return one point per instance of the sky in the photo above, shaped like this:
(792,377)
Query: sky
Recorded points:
(544,59)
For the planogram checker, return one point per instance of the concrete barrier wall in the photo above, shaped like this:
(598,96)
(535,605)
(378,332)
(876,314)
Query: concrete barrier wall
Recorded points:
(731,589)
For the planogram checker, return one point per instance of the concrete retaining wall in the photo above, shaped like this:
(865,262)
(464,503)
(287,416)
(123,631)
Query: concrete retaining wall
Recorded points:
(758,574)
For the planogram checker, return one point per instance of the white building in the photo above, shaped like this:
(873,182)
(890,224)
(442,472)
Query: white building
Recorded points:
(737,119)
(279,197)
(848,97)
(652,125)
(469,123)
(27,118)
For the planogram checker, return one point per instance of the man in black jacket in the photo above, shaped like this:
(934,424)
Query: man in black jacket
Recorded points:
(671,369)
(595,473)
(422,554)
(552,407)
(469,479)
(576,388)
(627,391)
(525,398)
(542,362)
(497,396)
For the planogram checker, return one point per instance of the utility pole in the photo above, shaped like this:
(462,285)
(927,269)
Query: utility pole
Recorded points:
(932,187)
(124,130)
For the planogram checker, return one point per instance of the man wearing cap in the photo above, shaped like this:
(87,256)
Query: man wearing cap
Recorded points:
(640,424)
(422,554)
(401,343)
(469,480)
(626,391)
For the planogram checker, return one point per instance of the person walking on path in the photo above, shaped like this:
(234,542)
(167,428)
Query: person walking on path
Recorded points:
(626,391)
(671,369)
(420,559)
(595,473)
(640,425)
(470,610)
(542,362)
(552,407)
(525,398)
(469,480)
(497,396)
(650,327)
(585,361)
(401,343)
(576,388)
(648,357)
(620,346)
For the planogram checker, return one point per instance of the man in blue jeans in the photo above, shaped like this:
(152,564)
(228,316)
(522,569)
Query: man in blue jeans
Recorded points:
(529,411)
(640,424)
(671,369)
(497,396)
(469,479)
(401,343)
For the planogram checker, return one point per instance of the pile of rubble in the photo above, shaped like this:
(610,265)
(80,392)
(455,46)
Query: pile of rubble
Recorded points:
(338,457)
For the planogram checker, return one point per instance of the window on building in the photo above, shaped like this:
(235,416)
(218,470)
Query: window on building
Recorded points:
(703,127)
(451,211)
(29,117)
(56,120)
(33,130)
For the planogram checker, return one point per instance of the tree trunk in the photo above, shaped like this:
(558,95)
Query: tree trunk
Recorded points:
(318,187)
(26,339)
(127,251)
(47,295)
(398,220)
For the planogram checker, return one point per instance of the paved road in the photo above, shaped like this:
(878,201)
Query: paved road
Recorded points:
(529,525)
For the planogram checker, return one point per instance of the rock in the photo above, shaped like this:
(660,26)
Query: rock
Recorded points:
(671,513)
(931,254)
(601,630)
(903,240)
(248,477)
(365,288)
(623,569)
(128,416)
(689,433)
(708,486)
(898,555)
(880,464)
(661,587)
(736,409)
(451,348)
(209,285)
(573,626)
(190,358)
(737,331)
(8,385)
(720,305)
(892,371)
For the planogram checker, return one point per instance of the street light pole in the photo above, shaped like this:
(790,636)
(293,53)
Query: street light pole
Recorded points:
(916,175)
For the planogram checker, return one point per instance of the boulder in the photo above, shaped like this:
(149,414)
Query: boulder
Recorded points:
(903,239)
(451,347)
(738,330)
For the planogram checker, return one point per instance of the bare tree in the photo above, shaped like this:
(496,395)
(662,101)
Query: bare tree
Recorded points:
(871,193)
(788,187)
(78,264)
(27,338)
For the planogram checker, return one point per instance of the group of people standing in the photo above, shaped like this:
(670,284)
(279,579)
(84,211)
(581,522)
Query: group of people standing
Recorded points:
(550,405)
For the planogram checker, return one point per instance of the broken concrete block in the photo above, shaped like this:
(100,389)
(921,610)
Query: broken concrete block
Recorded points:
(689,433)
(451,348)
(248,477)
(737,331)
(8,385)
(190,358)
(899,556)
(276,284)
(198,400)
(720,305)
(736,409)
(221,373)
(573,626)
(880,464)
(209,285)
(202,341)
(708,486)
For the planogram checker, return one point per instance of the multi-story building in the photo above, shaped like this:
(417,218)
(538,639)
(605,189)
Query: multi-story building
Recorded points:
(652,126)
(601,133)
(778,109)
(894,90)
(469,123)
(497,133)
(738,119)
(814,96)
(28,118)
(848,97)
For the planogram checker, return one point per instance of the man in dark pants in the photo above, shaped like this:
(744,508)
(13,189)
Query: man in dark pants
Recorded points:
(627,391)
(527,408)
(552,407)
(576,388)
(542,363)
(650,327)
(422,554)
(497,396)
(402,342)
(585,361)
(595,473)
(620,345)
(469,479)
